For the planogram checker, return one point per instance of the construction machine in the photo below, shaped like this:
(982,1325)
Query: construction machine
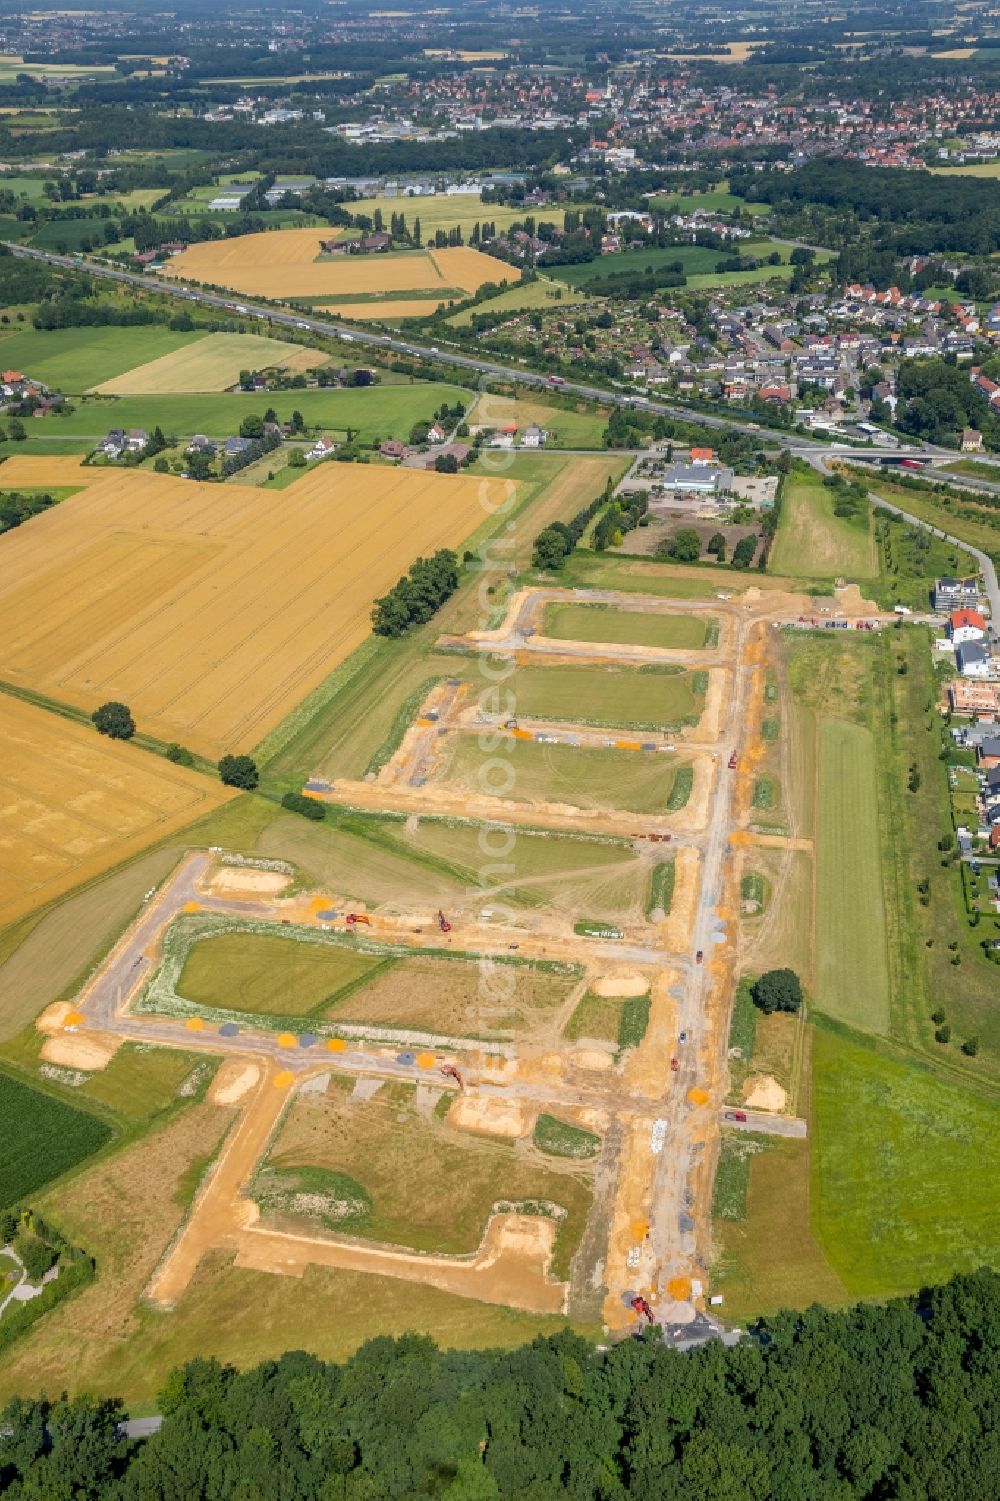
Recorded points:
(443,923)
(451,1072)
(353,918)
(643,1309)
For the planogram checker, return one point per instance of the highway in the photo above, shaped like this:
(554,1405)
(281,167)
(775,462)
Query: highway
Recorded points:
(367,338)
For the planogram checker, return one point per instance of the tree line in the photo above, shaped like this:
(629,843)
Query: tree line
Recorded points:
(868,1403)
(417,596)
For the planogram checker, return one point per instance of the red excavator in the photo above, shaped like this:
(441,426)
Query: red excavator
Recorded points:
(353,918)
(443,923)
(642,1308)
(451,1072)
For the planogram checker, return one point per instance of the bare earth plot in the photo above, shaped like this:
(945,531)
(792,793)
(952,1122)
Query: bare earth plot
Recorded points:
(202,609)
(212,364)
(73,803)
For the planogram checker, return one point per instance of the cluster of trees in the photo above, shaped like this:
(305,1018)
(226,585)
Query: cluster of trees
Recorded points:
(114,719)
(908,212)
(850,499)
(863,1404)
(622,515)
(554,543)
(15,508)
(268,439)
(417,595)
(777,990)
(239,771)
(39,1247)
(937,399)
(684,546)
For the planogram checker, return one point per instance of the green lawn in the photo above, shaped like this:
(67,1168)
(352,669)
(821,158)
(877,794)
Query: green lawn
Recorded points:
(852,981)
(812,542)
(373,411)
(43,1137)
(140,1080)
(585,777)
(906,1174)
(619,697)
(631,627)
(269,976)
(74,359)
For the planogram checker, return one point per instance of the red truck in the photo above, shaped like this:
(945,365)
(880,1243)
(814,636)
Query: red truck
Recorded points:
(735,1115)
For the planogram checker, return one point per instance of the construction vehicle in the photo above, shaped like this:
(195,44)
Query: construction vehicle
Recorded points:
(675,1064)
(699,956)
(451,1072)
(732,761)
(642,1308)
(353,918)
(443,922)
(735,1115)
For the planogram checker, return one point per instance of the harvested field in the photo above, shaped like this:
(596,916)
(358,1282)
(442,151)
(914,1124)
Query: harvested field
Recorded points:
(73,803)
(584,777)
(455,997)
(430,1187)
(42,1138)
(31,471)
(189,603)
(212,364)
(603,623)
(285,264)
(387,310)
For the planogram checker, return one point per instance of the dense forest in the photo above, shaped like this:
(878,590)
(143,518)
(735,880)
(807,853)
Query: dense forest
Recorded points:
(908,212)
(893,1403)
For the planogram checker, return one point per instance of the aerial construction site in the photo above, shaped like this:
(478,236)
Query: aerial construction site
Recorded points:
(512,1088)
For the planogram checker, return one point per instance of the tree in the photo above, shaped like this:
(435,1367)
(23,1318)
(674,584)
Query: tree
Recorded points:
(115,720)
(17,430)
(943,1033)
(179,754)
(446,463)
(743,552)
(252,426)
(297,459)
(239,771)
(685,545)
(777,990)
(297,802)
(970,1047)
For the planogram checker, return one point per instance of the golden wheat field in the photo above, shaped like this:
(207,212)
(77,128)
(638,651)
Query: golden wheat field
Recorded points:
(212,610)
(211,364)
(73,803)
(283,263)
(386,310)
(35,471)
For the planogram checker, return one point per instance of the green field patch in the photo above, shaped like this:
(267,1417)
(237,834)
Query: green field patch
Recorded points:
(583,776)
(732,1176)
(905,1167)
(681,790)
(852,978)
(770,728)
(372,412)
(597,1017)
(333,1199)
(594,927)
(572,622)
(661,888)
(765,793)
(754,893)
(633,1021)
(271,976)
(142,1080)
(43,1137)
(639,698)
(559,1139)
(812,542)
(75,359)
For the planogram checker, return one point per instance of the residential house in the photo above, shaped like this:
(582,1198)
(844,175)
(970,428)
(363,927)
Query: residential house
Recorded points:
(988,754)
(972,660)
(393,449)
(137,439)
(321,449)
(971,440)
(436,433)
(534,436)
(981,699)
(113,445)
(200,444)
(702,455)
(966,625)
(233,448)
(952,594)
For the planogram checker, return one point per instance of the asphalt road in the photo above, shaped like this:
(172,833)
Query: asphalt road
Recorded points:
(369,339)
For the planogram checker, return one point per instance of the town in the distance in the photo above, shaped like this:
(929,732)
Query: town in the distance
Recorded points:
(500,775)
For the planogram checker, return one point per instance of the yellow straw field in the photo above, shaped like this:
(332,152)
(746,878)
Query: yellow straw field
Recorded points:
(386,310)
(212,610)
(211,364)
(73,803)
(284,263)
(35,471)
